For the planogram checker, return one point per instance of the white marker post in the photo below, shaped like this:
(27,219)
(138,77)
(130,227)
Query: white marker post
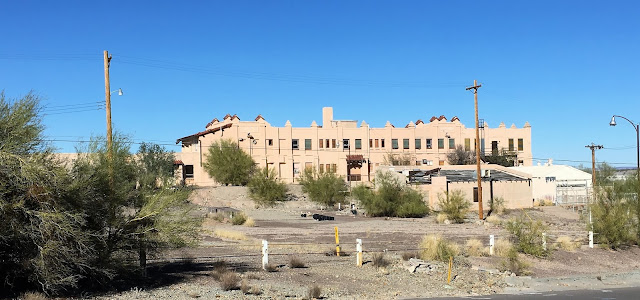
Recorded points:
(492,242)
(265,254)
(359,252)
(544,241)
(590,239)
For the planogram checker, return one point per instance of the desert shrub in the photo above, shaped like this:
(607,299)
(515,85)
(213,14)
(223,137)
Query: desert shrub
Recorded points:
(379,261)
(391,198)
(239,218)
(271,267)
(513,263)
(528,235)
(245,287)
(494,220)
(497,205)
(229,281)
(314,292)
(474,247)
(614,225)
(409,255)
(502,247)
(295,262)
(454,205)
(228,234)
(441,218)
(543,202)
(250,222)
(461,157)
(566,243)
(325,188)
(434,247)
(266,189)
(227,164)
(33,296)
(219,216)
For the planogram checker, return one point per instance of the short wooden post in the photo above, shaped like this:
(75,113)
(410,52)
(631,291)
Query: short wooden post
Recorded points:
(590,239)
(265,254)
(544,241)
(492,242)
(359,252)
(337,242)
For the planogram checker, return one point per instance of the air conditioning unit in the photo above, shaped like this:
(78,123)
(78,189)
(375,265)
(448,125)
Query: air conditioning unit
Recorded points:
(486,173)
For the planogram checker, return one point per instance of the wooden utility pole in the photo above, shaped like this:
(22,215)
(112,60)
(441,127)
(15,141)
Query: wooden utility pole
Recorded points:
(593,148)
(478,170)
(107,90)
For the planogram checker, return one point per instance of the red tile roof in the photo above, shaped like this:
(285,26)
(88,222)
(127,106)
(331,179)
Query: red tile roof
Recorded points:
(178,162)
(201,133)
(215,120)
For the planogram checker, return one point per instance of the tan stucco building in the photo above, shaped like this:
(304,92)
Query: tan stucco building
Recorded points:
(328,146)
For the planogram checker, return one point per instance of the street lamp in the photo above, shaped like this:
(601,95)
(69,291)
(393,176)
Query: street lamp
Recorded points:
(637,128)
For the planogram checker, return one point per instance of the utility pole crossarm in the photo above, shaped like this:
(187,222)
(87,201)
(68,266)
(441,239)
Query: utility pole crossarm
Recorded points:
(593,148)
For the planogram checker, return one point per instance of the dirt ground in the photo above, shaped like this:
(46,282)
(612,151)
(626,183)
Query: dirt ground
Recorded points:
(313,242)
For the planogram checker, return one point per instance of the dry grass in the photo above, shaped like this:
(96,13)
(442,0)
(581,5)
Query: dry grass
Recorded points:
(271,268)
(250,222)
(441,218)
(474,247)
(33,296)
(295,262)
(379,261)
(229,234)
(434,247)
(245,287)
(314,292)
(493,219)
(253,276)
(543,202)
(566,243)
(409,255)
(229,281)
(502,248)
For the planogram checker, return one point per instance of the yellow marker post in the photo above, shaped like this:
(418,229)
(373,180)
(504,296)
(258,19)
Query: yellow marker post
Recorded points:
(450,266)
(337,242)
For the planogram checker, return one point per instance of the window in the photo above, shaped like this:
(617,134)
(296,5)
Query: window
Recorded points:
(475,194)
(370,143)
(511,146)
(188,171)
(441,162)
(382,143)
(440,143)
(405,143)
(308,166)
(494,147)
(520,144)
(307,144)
(429,146)
(467,144)
(333,143)
(377,145)
(418,143)
(345,144)
(270,142)
(294,144)
(327,144)
(321,168)
(394,144)
(452,143)
(550,178)
(320,143)
(333,168)
(358,144)
(427,162)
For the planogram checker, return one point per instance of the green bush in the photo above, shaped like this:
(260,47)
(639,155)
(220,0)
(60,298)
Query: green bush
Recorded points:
(435,247)
(228,164)
(238,218)
(528,235)
(613,224)
(265,189)
(392,198)
(497,205)
(512,263)
(454,205)
(324,188)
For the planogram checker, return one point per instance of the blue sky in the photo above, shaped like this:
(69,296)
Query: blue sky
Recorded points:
(563,66)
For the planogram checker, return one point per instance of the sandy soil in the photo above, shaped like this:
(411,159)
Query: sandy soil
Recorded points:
(291,235)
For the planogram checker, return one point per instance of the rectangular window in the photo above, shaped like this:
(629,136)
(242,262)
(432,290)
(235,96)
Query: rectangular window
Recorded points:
(320,143)
(475,194)
(441,162)
(377,145)
(334,168)
(308,166)
(429,146)
(440,143)
(370,143)
(382,143)
(405,143)
(511,145)
(494,147)
(333,143)
(358,144)
(327,144)
(294,144)
(345,144)
(188,171)
(270,142)
(467,144)
(520,144)
(394,144)
(452,143)
(307,144)
(418,143)
(321,168)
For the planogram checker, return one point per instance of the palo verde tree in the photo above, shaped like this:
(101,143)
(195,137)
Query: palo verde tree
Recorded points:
(391,198)
(326,188)
(228,164)
(42,244)
(461,157)
(265,188)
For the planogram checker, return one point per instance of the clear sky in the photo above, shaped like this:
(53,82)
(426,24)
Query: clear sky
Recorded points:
(564,66)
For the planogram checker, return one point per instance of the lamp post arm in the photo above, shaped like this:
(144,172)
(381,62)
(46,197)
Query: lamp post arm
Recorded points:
(635,126)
